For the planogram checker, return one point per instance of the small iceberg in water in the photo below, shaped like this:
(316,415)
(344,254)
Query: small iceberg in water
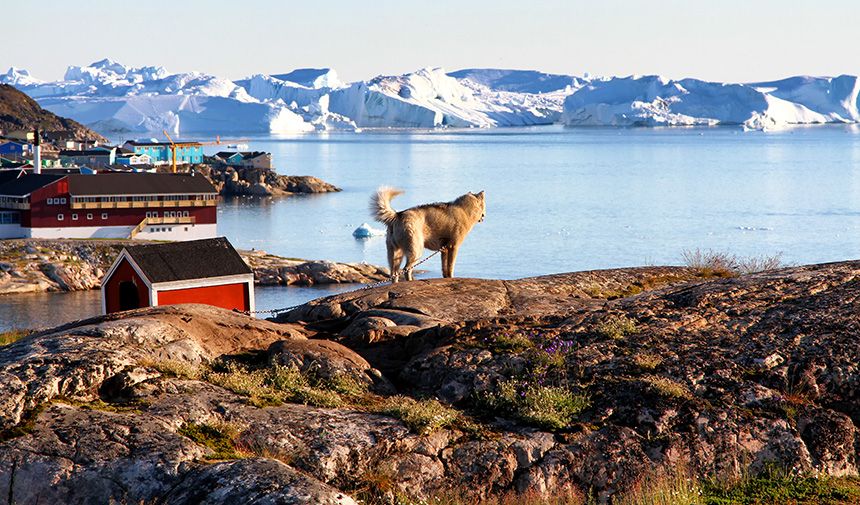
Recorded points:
(365,231)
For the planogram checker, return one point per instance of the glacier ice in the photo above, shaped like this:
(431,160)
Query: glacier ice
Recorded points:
(110,97)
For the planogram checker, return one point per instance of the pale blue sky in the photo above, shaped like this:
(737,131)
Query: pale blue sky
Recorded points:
(726,40)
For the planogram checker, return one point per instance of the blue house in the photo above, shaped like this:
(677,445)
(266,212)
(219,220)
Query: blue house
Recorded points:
(161,153)
(14,148)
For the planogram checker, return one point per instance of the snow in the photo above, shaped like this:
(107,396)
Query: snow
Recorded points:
(110,97)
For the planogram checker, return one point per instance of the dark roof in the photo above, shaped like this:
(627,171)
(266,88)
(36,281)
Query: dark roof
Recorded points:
(10,175)
(195,259)
(61,170)
(138,183)
(95,151)
(161,144)
(28,183)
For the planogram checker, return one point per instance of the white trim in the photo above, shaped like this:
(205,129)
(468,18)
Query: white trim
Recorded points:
(124,254)
(203,282)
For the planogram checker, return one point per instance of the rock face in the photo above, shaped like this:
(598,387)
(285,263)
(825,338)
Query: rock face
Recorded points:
(715,377)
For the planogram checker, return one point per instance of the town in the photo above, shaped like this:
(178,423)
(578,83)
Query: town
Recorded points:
(53,185)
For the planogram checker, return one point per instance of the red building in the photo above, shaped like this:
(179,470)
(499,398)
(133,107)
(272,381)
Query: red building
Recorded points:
(154,206)
(205,271)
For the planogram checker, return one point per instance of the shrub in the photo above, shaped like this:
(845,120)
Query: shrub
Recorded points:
(423,417)
(550,407)
(616,327)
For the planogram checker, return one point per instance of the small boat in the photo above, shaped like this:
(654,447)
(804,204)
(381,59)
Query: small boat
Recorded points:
(238,147)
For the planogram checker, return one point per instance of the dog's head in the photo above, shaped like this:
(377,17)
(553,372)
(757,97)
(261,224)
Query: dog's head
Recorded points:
(483,205)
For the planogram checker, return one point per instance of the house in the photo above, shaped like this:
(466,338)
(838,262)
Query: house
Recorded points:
(26,136)
(154,206)
(161,153)
(255,159)
(129,158)
(96,156)
(205,271)
(14,148)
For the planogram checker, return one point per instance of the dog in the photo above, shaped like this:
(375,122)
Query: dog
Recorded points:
(435,226)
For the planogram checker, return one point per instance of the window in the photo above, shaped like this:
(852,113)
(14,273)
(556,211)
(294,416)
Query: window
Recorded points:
(50,201)
(74,217)
(104,215)
(59,217)
(89,216)
(63,201)
(185,214)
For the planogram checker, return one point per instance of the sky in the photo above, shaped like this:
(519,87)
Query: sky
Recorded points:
(714,40)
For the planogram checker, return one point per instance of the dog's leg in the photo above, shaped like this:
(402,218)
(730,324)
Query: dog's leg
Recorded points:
(449,256)
(413,255)
(395,256)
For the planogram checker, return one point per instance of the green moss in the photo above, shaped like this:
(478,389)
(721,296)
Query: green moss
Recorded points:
(220,438)
(26,425)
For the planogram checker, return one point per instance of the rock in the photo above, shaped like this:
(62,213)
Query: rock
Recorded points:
(718,377)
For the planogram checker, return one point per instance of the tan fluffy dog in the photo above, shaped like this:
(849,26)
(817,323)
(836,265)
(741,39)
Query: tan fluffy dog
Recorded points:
(436,226)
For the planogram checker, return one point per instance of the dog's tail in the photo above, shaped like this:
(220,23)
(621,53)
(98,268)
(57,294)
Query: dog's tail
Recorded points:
(380,204)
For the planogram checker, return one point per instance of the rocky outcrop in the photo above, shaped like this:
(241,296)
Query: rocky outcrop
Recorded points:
(248,181)
(32,265)
(669,371)
(270,270)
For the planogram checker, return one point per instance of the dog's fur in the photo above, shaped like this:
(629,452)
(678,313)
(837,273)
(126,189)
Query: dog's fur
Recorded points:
(435,226)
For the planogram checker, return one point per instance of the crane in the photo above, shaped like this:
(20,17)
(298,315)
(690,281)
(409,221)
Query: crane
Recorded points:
(218,141)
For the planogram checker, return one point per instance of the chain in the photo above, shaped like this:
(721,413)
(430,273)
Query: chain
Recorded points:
(393,276)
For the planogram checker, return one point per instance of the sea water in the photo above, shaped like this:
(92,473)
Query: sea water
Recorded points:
(565,199)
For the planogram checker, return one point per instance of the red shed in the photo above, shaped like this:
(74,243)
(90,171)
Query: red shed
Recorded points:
(206,271)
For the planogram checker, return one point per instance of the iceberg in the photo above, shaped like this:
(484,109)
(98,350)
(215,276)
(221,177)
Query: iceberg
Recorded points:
(657,101)
(110,98)
(365,231)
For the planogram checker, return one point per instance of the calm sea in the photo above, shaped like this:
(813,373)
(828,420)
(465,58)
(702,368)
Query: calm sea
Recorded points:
(561,199)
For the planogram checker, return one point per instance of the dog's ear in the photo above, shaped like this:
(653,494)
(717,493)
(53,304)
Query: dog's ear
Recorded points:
(480,195)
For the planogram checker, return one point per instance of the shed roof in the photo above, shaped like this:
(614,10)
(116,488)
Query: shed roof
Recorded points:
(194,259)
(138,183)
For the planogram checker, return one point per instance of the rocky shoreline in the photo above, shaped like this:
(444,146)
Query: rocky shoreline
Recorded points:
(246,181)
(587,383)
(36,265)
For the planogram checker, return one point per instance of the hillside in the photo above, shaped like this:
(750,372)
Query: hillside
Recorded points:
(20,112)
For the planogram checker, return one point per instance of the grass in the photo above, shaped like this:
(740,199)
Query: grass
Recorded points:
(778,486)
(7,337)
(646,361)
(712,263)
(272,385)
(660,489)
(667,387)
